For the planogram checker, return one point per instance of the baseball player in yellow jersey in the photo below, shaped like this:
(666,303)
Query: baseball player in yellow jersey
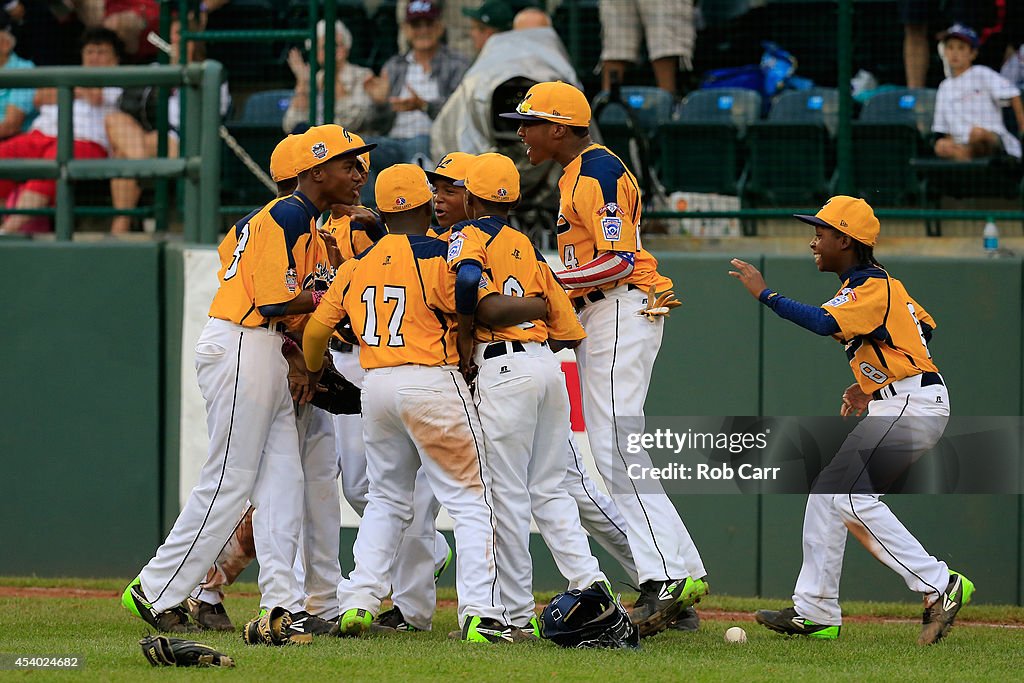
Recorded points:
(401,298)
(424,553)
(521,395)
(885,333)
(254,449)
(598,513)
(609,277)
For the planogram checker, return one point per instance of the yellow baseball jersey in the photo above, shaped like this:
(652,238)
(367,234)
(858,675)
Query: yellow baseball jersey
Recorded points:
(883,328)
(268,258)
(516,268)
(352,238)
(400,298)
(600,211)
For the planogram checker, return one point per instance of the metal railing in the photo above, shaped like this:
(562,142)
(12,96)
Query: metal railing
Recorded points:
(199,162)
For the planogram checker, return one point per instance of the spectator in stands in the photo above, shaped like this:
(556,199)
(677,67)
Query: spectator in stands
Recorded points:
(667,27)
(352,104)
(457,25)
(490,18)
(968,105)
(100,48)
(411,89)
(16,105)
(132,130)
(131,20)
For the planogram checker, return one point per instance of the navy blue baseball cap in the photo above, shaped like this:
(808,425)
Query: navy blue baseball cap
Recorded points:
(962,32)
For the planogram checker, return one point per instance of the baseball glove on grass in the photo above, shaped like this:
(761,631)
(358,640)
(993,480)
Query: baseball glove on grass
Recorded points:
(272,629)
(165,651)
(337,395)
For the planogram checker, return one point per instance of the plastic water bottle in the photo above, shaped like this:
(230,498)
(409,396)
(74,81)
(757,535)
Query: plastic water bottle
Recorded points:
(990,237)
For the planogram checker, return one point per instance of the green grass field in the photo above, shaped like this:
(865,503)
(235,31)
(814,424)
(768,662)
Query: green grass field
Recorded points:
(84,618)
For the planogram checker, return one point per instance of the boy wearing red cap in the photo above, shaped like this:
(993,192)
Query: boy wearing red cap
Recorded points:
(885,333)
(614,284)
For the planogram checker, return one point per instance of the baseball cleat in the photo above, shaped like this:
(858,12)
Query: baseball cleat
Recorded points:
(938,617)
(174,620)
(789,623)
(352,623)
(528,633)
(209,616)
(688,620)
(660,602)
(485,630)
(392,621)
(309,624)
(444,566)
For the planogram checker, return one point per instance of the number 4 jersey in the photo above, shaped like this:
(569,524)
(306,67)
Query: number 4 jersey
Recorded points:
(885,331)
(400,298)
(600,211)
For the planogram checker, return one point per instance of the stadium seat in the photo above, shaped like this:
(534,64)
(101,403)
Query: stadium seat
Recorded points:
(238,185)
(266,107)
(245,61)
(585,52)
(650,108)
(891,131)
(702,150)
(790,152)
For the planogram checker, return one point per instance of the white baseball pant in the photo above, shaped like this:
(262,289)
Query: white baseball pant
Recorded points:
(254,455)
(524,412)
(615,361)
(416,415)
(912,419)
(598,513)
(423,550)
(320,570)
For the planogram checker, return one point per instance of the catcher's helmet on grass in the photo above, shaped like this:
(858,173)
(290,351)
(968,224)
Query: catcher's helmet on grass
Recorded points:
(588,617)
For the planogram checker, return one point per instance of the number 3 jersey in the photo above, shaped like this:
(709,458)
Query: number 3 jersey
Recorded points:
(269,257)
(400,298)
(600,211)
(885,331)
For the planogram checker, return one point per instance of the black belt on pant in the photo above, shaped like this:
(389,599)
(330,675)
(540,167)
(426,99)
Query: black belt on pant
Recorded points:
(495,349)
(928,379)
(580,302)
(341,346)
(278,327)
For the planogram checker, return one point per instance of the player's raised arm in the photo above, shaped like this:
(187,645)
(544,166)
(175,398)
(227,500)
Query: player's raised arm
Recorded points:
(813,318)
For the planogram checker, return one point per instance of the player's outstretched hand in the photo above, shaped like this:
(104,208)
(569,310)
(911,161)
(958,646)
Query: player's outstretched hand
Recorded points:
(358,214)
(855,401)
(750,277)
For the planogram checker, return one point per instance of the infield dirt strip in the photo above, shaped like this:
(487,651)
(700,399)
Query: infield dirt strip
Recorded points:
(710,613)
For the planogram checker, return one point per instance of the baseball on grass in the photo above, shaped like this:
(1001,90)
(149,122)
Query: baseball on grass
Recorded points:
(735,635)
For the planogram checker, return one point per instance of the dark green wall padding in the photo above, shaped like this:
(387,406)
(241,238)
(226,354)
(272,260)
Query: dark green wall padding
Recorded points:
(91,360)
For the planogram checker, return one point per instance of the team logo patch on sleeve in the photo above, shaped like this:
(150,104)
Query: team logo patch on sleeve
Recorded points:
(612,228)
(844,296)
(455,246)
(291,280)
(319,150)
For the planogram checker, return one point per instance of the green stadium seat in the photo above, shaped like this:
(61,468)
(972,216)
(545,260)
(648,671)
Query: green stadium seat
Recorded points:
(266,107)
(246,61)
(790,162)
(586,57)
(238,185)
(650,108)
(891,131)
(702,150)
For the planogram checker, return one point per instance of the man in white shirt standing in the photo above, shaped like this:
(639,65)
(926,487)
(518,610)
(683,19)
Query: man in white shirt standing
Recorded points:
(100,48)
(968,105)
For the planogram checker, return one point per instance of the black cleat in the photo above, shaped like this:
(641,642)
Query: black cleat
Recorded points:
(174,620)
(688,620)
(789,623)
(306,623)
(660,602)
(938,618)
(392,621)
(209,617)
